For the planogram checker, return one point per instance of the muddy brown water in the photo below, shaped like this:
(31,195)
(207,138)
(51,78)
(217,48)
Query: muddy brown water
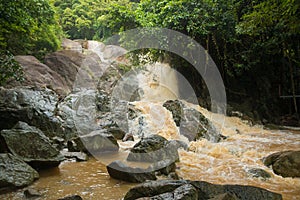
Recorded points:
(225,162)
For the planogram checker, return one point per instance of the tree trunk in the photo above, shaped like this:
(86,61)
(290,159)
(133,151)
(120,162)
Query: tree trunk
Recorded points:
(293,86)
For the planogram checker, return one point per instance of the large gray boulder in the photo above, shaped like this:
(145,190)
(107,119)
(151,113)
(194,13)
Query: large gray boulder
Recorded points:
(192,123)
(204,190)
(31,145)
(286,163)
(14,172)
(78,113)
(35,107)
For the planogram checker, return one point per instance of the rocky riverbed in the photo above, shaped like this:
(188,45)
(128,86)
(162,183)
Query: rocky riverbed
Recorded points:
(82,103)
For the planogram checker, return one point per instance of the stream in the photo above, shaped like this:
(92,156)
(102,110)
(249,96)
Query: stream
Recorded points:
(225,162)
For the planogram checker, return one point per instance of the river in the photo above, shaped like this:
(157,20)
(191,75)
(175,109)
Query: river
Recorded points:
(225,162)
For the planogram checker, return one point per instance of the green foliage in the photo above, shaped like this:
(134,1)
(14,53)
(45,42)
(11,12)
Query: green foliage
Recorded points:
(117,17)
(28,27)
(9,68)
(77,17)
(94,19)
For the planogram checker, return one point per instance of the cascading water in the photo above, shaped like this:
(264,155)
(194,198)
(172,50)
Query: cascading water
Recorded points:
(225,162)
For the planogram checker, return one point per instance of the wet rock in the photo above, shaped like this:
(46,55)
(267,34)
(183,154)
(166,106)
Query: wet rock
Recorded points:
(155,148)
(37,108)
(15,172)
(75,146)
(209,190)
(153,188)
(193,124)
(58,142)
(172,147)
(164,167)
(118,133)
(115,121)
(31,194)
(79,156)
(148,149)
(204,190)
(175,106)
(71,197)
(78,112)
(103,101)
(258,173)
(225,196)
(286,163)
(184,192)
(109,78)
(120,171)
(133,112)
(97,142)
(31,145)
(119,114)
(174,176)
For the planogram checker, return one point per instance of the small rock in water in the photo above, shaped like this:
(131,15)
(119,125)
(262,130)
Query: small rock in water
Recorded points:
(153,188)
(192,123)
(149,149)
(259,173)
(286,163)
(15,172)
(96,142)
(31,145)
(175,107)
(120,171)
(31,194)
(164,167)
(71,197)
(79,156)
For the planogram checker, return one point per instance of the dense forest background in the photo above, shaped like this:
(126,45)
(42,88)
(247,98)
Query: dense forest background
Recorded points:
(255,43)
